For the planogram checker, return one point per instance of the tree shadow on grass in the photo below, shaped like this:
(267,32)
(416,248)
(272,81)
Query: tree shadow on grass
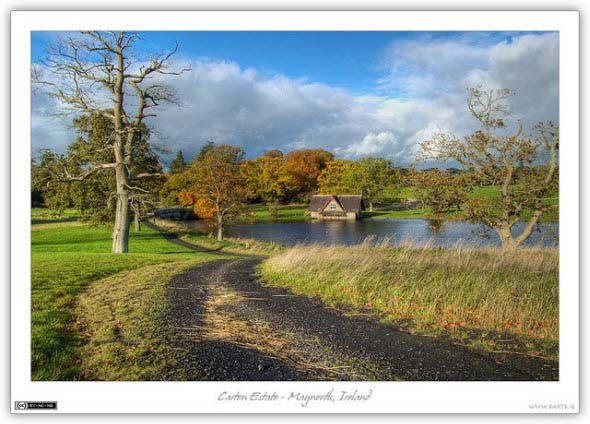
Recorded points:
(54,220)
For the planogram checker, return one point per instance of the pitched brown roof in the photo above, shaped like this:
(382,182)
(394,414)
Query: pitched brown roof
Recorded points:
(350,203)
(329,200)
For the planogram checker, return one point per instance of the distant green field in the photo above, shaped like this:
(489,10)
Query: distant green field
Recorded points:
(67,257)
(478,191)
(261,213)
(494,191)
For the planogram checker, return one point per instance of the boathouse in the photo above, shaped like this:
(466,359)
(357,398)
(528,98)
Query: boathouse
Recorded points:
(332,206)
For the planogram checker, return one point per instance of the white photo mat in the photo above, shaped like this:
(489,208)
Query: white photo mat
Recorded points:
(401,397)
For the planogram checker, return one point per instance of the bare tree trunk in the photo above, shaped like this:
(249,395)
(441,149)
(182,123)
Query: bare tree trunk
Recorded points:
(122,221)
(121,228)
(97,65)
(219,227)
(371,206)
(273,209)
(136,219)
(508,242)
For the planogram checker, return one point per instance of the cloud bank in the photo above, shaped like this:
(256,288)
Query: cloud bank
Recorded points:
(422,90)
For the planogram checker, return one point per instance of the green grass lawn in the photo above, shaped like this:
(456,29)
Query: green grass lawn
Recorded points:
(494,191)
(67,257)
(44,215)
(261,213)
(122,322)
(418,213)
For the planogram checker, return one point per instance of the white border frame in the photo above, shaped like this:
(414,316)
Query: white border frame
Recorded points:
(182,397)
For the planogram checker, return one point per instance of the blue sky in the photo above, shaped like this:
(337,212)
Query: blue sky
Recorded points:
(352,60)
(355,93)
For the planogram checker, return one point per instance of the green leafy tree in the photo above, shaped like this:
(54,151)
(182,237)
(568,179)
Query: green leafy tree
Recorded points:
(51,192)
(94,73)
(37,186)
(178,164)
(339,177)
(94,194)
(374,178)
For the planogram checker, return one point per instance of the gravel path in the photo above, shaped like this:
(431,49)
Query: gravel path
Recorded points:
(226,325)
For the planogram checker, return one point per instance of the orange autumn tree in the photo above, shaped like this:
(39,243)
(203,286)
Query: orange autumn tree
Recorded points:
(203,208)
(304,166)
(212,183)
(186,198)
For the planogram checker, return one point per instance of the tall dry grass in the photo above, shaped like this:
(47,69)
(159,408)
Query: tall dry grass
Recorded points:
(480,296)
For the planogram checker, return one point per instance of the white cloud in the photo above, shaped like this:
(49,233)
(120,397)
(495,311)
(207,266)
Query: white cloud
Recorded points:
(530,67)
(437,73)
(424,91)
(371,144)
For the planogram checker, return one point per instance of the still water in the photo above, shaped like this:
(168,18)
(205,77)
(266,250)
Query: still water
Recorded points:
(418,231)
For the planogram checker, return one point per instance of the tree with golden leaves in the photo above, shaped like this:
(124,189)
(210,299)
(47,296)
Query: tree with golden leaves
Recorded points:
(212,182)
(266,178)
(304,166)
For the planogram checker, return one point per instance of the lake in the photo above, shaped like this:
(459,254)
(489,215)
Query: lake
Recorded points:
(419,231)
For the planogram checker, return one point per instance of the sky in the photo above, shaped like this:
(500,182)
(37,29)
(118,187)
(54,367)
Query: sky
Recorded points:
(353,93)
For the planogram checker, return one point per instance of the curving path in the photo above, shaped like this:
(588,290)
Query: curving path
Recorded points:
(225,325)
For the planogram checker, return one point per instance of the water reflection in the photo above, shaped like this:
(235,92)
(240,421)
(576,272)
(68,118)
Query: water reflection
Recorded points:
(436,225)
(417,231)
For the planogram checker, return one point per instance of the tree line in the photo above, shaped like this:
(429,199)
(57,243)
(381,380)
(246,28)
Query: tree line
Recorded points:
(220,183)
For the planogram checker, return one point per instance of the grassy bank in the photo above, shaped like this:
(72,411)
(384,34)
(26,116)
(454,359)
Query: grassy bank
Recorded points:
(44,215)
(67,258)
(121,320)
(240,246)
(477,297)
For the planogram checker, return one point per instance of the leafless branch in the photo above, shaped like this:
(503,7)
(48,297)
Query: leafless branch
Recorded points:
(68,177)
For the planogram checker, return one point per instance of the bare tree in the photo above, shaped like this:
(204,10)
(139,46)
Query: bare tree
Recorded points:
(525,168)
(94,73)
